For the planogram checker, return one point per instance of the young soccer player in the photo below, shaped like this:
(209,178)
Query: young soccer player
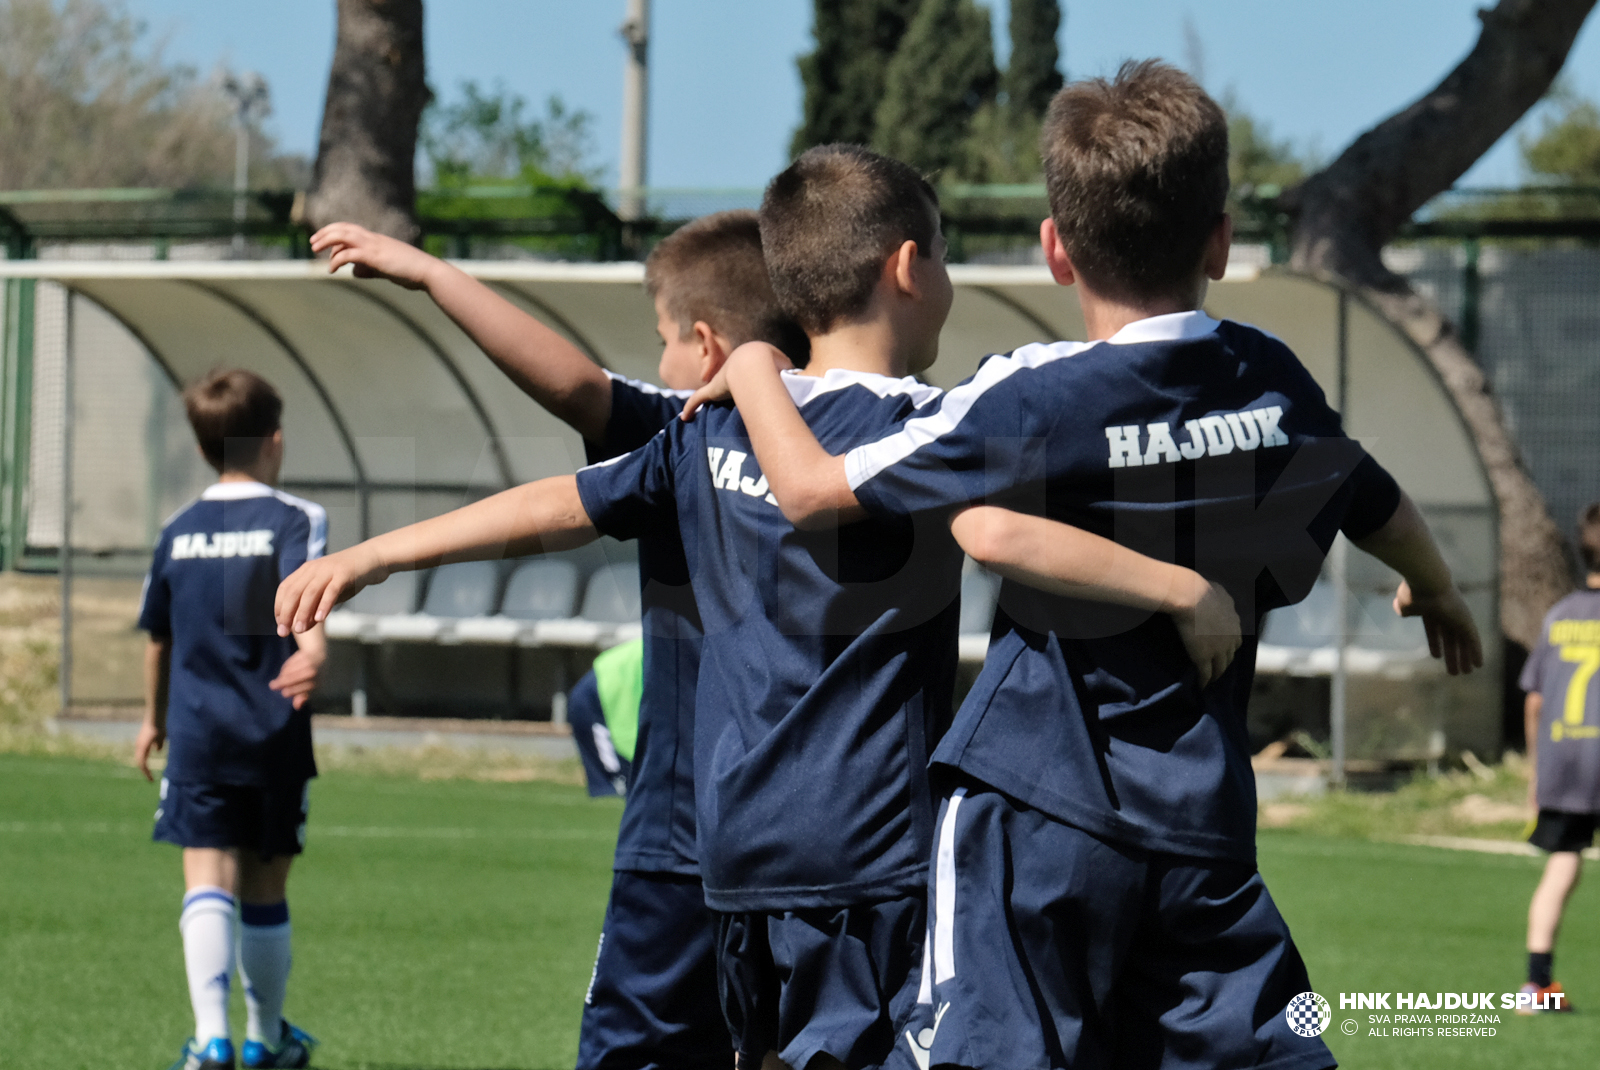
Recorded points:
(828,659)
(603,712)
(229,694)
(1095,900)
(1564,754)
(652,1000)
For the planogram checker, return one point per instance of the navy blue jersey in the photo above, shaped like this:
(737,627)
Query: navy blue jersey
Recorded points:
(1193,441)
(828,657)
(657,834)
(215,572)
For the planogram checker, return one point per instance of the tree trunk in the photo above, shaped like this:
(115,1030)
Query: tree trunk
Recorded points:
(1342,217)
(365,170)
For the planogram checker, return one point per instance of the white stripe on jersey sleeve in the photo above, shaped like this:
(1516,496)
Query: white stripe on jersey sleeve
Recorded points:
(317,540)
(648,388)
(864,462)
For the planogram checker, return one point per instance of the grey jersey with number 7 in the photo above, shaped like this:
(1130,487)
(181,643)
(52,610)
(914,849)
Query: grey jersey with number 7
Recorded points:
(1563,669)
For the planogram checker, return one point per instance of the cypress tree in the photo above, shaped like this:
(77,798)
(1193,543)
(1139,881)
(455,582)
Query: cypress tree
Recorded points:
(1032,77)
(940,76)
(844,77)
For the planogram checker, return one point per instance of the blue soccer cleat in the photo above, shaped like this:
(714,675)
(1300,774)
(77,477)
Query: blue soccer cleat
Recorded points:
(293,1050)
(217,1055)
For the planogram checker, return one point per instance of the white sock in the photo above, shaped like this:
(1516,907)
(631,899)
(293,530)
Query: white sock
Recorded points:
(207,928)
(264,962)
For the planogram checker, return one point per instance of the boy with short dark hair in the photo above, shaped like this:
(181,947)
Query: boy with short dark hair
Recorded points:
(1564,758)
(652,1000)
(230,695)
(828,658)
(1095,899)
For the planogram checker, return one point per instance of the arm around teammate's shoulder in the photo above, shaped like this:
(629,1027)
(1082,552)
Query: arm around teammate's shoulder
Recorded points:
(543,364)
(808,481)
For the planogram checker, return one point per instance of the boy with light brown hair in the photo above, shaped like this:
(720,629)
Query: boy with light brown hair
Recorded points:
(828,659)
(229,695)
(1095,900)
(652,1001)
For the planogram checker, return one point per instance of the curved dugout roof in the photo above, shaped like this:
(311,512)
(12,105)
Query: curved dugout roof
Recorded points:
(382,391)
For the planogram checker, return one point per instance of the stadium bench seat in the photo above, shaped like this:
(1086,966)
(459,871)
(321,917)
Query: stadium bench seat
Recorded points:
(540,590)
(358,618)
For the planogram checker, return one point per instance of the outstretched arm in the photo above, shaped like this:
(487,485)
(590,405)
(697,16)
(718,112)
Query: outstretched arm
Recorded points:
(1064,560)
(530,519)
(544,365)
(808,481)
(1427,590)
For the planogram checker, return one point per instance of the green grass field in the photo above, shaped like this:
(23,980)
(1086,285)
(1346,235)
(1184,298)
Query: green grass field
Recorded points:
(451,924)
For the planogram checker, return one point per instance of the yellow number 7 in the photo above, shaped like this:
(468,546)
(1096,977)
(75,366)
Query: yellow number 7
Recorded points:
(1587,655)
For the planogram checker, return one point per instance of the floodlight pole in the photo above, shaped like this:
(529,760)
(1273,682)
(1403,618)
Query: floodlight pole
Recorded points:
(635,111)
(248,94)
(1338,690)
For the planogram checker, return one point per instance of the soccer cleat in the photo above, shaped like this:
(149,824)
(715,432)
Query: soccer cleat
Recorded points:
(294,1050)
(1548,999)
(217,1055)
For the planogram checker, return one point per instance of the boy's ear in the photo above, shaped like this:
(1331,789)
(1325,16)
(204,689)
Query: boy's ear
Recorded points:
(1217,246)
(712,350)
(897,269)
(1055,254)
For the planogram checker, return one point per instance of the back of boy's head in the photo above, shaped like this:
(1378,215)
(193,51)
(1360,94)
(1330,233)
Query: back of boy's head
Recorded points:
(712,270)
(828,222)
(1137,173)
(233,412)
(1589,537)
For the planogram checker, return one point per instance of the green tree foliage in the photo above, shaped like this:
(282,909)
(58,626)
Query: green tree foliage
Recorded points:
(1003,142)
(1567,148)
(1033,72)
(844,76)
(942,74)
(1258,163)
(484,136)
(86,102)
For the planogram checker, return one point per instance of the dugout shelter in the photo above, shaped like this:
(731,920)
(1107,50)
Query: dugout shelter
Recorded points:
(392,415)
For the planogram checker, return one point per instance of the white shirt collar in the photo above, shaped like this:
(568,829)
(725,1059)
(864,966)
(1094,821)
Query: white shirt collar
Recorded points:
(234,491)
(803,388)
(1172,327)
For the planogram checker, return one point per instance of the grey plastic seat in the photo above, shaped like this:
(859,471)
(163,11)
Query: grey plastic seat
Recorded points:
(462,589)
(612,595)
(397,594)
(978,591)
(541,590)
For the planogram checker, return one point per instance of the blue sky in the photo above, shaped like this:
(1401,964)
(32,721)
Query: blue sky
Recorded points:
(725,95)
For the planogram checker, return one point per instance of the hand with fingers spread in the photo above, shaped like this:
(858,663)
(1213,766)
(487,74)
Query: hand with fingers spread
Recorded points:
(374,256)
(1208,623)
(309,594)
(299,675)
(1452,633)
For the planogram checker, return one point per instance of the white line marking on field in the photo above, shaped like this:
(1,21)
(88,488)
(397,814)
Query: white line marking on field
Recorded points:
(1489,847)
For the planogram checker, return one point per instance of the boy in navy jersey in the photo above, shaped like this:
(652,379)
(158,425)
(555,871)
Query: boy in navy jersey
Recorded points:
(229,695)
(828,658)
(652,1000)
(1095,900)
(1563,736)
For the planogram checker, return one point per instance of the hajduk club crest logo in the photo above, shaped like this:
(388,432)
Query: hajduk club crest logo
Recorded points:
(1308,1014)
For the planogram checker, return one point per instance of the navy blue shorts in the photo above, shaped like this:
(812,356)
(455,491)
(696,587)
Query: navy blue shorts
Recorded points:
(841,980)
(652,1000)
(1050,947)
(268,820)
